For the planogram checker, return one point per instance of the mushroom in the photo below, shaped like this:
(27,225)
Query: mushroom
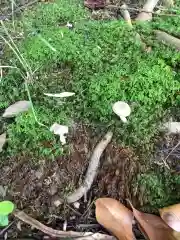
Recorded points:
(122,109)
(60,130)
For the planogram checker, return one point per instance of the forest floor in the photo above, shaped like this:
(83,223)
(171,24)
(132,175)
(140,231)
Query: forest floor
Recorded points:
(97,58)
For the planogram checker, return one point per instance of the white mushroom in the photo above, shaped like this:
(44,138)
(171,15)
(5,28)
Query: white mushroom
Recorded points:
(171,127)
(122,109)
(60,130)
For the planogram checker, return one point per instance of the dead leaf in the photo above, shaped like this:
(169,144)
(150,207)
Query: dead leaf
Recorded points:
(61,95)
(94,4)
(171,216)
(60,130)
(115,217)
(16,108)
(152,226)
(2,141)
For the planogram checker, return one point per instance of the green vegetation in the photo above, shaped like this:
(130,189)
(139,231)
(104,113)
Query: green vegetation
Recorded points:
(160,188)
(102,63)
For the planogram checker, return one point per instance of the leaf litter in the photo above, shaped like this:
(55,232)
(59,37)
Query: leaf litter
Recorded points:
(118,219)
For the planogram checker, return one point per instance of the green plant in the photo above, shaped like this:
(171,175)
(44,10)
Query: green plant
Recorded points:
(159,188)
(102,63)
(6,207)
(28,137)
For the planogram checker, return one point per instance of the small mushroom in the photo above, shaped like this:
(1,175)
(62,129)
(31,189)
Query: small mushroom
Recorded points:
(60,130)
(122,109)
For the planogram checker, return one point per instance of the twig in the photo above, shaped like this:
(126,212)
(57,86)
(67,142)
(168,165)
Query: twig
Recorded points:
(168,39)
(8,16)
(174,148)
(92,169)
(4,230)
(58,233)
(43,228)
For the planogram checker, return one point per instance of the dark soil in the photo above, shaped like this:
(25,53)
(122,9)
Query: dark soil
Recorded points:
(33,186)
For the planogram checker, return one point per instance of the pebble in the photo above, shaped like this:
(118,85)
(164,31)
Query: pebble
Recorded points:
(76,205)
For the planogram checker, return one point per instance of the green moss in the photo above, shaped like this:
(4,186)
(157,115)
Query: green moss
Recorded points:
(102,63)
(160,188)
(28,137)
(54,13)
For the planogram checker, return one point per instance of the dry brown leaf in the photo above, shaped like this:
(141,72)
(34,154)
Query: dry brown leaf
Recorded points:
(115,217)
(152,226)
(171,215)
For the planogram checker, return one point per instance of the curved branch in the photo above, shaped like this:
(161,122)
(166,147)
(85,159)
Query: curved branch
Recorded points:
(58,233)
(92,169)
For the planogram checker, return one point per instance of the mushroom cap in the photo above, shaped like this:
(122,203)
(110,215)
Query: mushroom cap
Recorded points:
(122,109)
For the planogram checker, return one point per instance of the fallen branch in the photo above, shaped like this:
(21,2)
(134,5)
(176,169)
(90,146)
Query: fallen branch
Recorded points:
(58,233)
(92,169)
(168,39)
(146,14)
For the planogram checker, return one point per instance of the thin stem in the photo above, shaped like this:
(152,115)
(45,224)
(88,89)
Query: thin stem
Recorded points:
(23,61)
(15,52)
(30,99)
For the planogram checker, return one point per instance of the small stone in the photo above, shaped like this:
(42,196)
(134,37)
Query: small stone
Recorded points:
(38,174)
(76,205)
(117,172)
(53,190)
(56,201)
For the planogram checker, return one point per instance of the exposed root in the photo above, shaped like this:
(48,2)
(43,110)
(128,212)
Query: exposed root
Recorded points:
(58,233)
(126,15)
(168,39)
(92,169)
(146,14)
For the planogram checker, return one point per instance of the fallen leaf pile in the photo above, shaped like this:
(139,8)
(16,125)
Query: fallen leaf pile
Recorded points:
(118,220)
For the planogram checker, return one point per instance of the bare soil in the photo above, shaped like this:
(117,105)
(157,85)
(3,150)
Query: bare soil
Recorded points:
(33,187)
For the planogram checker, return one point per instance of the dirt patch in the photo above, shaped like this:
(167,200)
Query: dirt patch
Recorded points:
(168,149)
(32,186)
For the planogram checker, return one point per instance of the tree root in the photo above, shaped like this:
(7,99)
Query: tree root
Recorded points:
(168,39)
(126,15)
(146,14)
(92,169)
(58,233)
